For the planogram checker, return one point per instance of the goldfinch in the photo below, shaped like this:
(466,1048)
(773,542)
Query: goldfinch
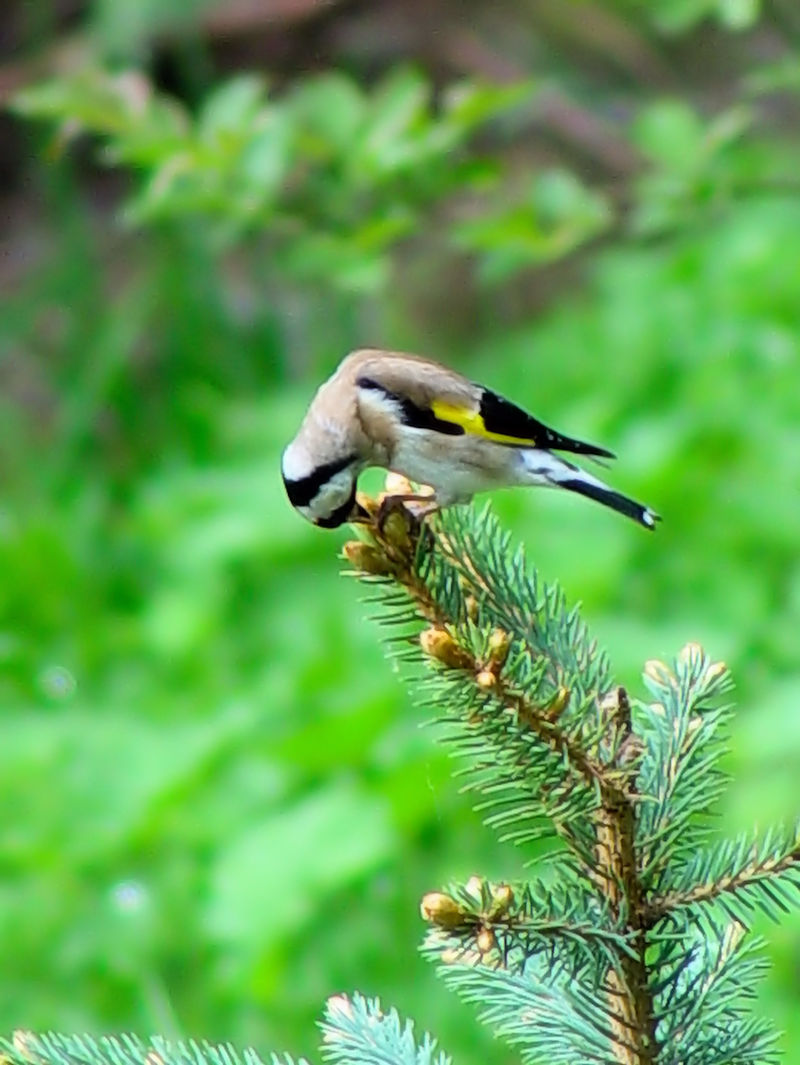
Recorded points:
(420,419)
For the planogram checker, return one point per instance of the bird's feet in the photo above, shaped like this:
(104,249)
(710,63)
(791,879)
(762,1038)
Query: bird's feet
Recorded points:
(400,504)
(418,506)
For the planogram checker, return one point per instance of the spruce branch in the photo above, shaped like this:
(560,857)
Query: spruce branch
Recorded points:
(515,665)
(740,876)
(51,1048)
(684,734)
(566,760)
(632,940)
(506,927)
(553,1020)
(356,1031)
(702,992)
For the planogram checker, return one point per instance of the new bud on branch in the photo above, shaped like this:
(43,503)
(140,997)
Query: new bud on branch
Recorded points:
(439,644)
(442,910)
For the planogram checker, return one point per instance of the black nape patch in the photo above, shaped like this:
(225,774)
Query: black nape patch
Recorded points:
(413,416)
(507,419)
(302,491)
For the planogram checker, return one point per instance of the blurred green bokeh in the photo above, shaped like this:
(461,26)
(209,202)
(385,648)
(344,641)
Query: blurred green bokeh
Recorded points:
(217,806)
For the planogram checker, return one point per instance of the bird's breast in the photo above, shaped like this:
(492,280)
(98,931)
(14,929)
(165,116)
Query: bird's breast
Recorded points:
(457,467)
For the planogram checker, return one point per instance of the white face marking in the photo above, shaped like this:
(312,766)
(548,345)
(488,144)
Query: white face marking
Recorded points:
(295,463)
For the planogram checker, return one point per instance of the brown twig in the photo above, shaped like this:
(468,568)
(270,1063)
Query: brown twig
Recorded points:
(751,874)
(633,1019)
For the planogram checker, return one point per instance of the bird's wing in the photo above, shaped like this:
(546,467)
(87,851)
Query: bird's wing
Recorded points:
(429,396)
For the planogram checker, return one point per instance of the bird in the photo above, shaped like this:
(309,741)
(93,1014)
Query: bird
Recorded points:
(418,418)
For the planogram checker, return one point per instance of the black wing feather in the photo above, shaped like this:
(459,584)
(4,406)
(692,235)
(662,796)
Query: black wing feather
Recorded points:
(413,416)
(501,416)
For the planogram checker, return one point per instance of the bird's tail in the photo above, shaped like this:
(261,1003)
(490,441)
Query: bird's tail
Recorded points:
(550,469)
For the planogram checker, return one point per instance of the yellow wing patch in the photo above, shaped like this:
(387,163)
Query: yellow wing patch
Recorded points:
(471,421)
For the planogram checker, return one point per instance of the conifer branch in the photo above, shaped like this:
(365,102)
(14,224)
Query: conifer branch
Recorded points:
(618,864)
(741,876)
(401,550)
(680,781)
(552,745)
(558,1019)
(594,750)
(442,645)
(390,558)
(496,925)
(524,670)
(701,992)
(27,1048)
(357,1031)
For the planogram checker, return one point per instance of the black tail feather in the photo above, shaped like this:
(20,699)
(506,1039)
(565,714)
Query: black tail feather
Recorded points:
(641,514)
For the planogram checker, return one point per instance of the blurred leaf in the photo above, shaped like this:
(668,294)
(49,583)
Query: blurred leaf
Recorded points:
(336,260)
(229,112)
(265,157)
(739,14)
(396,112)
(342,175)
(469,104)
(694,163)
(329,110)
(557,216)
(678,16)
(671,134)
(142,127)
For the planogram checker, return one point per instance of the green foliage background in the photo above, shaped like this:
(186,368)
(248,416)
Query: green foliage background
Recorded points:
(217,807)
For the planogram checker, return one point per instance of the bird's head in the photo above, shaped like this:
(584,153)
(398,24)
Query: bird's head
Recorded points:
(323,492)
